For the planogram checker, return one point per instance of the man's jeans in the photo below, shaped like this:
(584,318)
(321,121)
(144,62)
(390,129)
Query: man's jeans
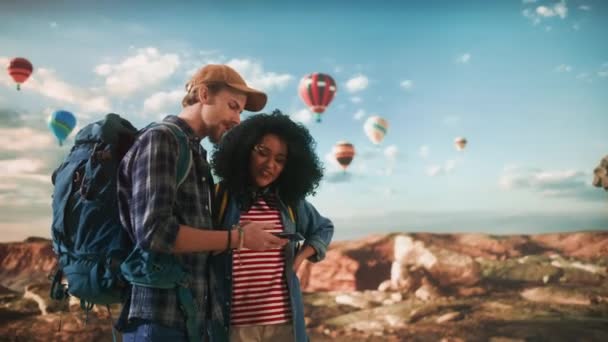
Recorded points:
(153,332)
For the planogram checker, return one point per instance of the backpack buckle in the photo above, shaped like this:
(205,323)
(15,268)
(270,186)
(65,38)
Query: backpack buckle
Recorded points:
(103,156)
(185,282)
(77,177)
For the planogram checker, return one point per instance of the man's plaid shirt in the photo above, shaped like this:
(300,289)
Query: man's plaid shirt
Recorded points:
(151,209)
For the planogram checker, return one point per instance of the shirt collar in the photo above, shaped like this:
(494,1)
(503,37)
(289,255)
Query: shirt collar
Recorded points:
(183,125)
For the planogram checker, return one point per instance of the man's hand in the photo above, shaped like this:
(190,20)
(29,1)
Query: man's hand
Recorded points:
(258,239)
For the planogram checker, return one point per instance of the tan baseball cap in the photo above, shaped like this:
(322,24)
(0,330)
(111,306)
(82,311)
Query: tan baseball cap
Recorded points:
(220,73)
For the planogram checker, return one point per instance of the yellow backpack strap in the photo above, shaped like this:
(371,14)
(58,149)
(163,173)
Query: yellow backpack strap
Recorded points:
(293,217)
(223,203)
(223,206)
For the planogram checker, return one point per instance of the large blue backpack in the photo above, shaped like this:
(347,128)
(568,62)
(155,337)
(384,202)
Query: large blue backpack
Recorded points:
(90,242)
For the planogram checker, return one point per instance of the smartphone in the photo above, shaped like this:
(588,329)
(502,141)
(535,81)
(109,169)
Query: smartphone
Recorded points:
(290,236)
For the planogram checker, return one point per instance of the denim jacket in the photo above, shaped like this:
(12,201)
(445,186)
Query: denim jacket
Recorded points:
(317,231)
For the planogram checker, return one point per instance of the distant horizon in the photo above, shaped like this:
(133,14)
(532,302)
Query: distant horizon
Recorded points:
(386,233)
(464,222)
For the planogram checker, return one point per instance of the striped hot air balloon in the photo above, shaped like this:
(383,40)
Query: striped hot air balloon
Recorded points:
(20,70)
(344,152)
(317,90)
(375,128)
(61,123)
(460,143)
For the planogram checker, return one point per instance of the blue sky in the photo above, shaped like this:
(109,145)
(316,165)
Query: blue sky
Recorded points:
(524,81)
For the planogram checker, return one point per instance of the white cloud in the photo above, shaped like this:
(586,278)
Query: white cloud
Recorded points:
(53,24)
(529,1)
(391,152)
(563,68)
(576,27)
(389,192)
(148,67)
(14,170)
(361,167)
(163,101)
(433,170)
(360,114)
(19,166)
(464,58)
(438,170)
(46,82)
(30,154)
(357,83)
(603,72)
(256,77)
(450,165)
(451,120)
(540,13)
(584,76)
(304,116)
(338,69)
(548,28)
(252,72)
(24,139)
(585,7)
(560,183)
(545,11)
(424,151)
(331,162)
(356,99)
(559,9)
(528,13)
(407,84)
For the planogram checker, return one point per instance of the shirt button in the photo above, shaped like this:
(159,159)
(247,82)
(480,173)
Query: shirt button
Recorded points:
(206,207)
(204,179)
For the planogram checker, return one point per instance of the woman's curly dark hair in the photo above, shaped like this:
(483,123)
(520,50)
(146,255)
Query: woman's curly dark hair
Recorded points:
(302,172)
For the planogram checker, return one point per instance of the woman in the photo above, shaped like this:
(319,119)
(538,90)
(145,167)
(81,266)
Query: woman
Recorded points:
(268,166)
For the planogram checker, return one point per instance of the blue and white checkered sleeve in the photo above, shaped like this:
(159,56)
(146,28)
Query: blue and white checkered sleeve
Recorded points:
(154,191)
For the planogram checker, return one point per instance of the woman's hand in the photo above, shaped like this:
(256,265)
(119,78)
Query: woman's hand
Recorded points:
(298,262)
(304,254)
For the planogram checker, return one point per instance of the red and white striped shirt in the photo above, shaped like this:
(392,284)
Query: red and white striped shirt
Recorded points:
(259,289)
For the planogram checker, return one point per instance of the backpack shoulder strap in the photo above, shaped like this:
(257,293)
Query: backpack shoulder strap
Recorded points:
(184,155)
(291,214)
(221,197)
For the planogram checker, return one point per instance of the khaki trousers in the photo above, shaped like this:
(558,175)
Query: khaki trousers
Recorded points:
(262,333)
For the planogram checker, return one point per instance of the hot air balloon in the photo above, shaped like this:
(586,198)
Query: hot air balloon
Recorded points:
(344,152)
(460,143)
(375,128)
(20,70)
(61,124)
(317,90)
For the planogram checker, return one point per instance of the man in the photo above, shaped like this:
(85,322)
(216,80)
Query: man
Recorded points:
(164,218)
